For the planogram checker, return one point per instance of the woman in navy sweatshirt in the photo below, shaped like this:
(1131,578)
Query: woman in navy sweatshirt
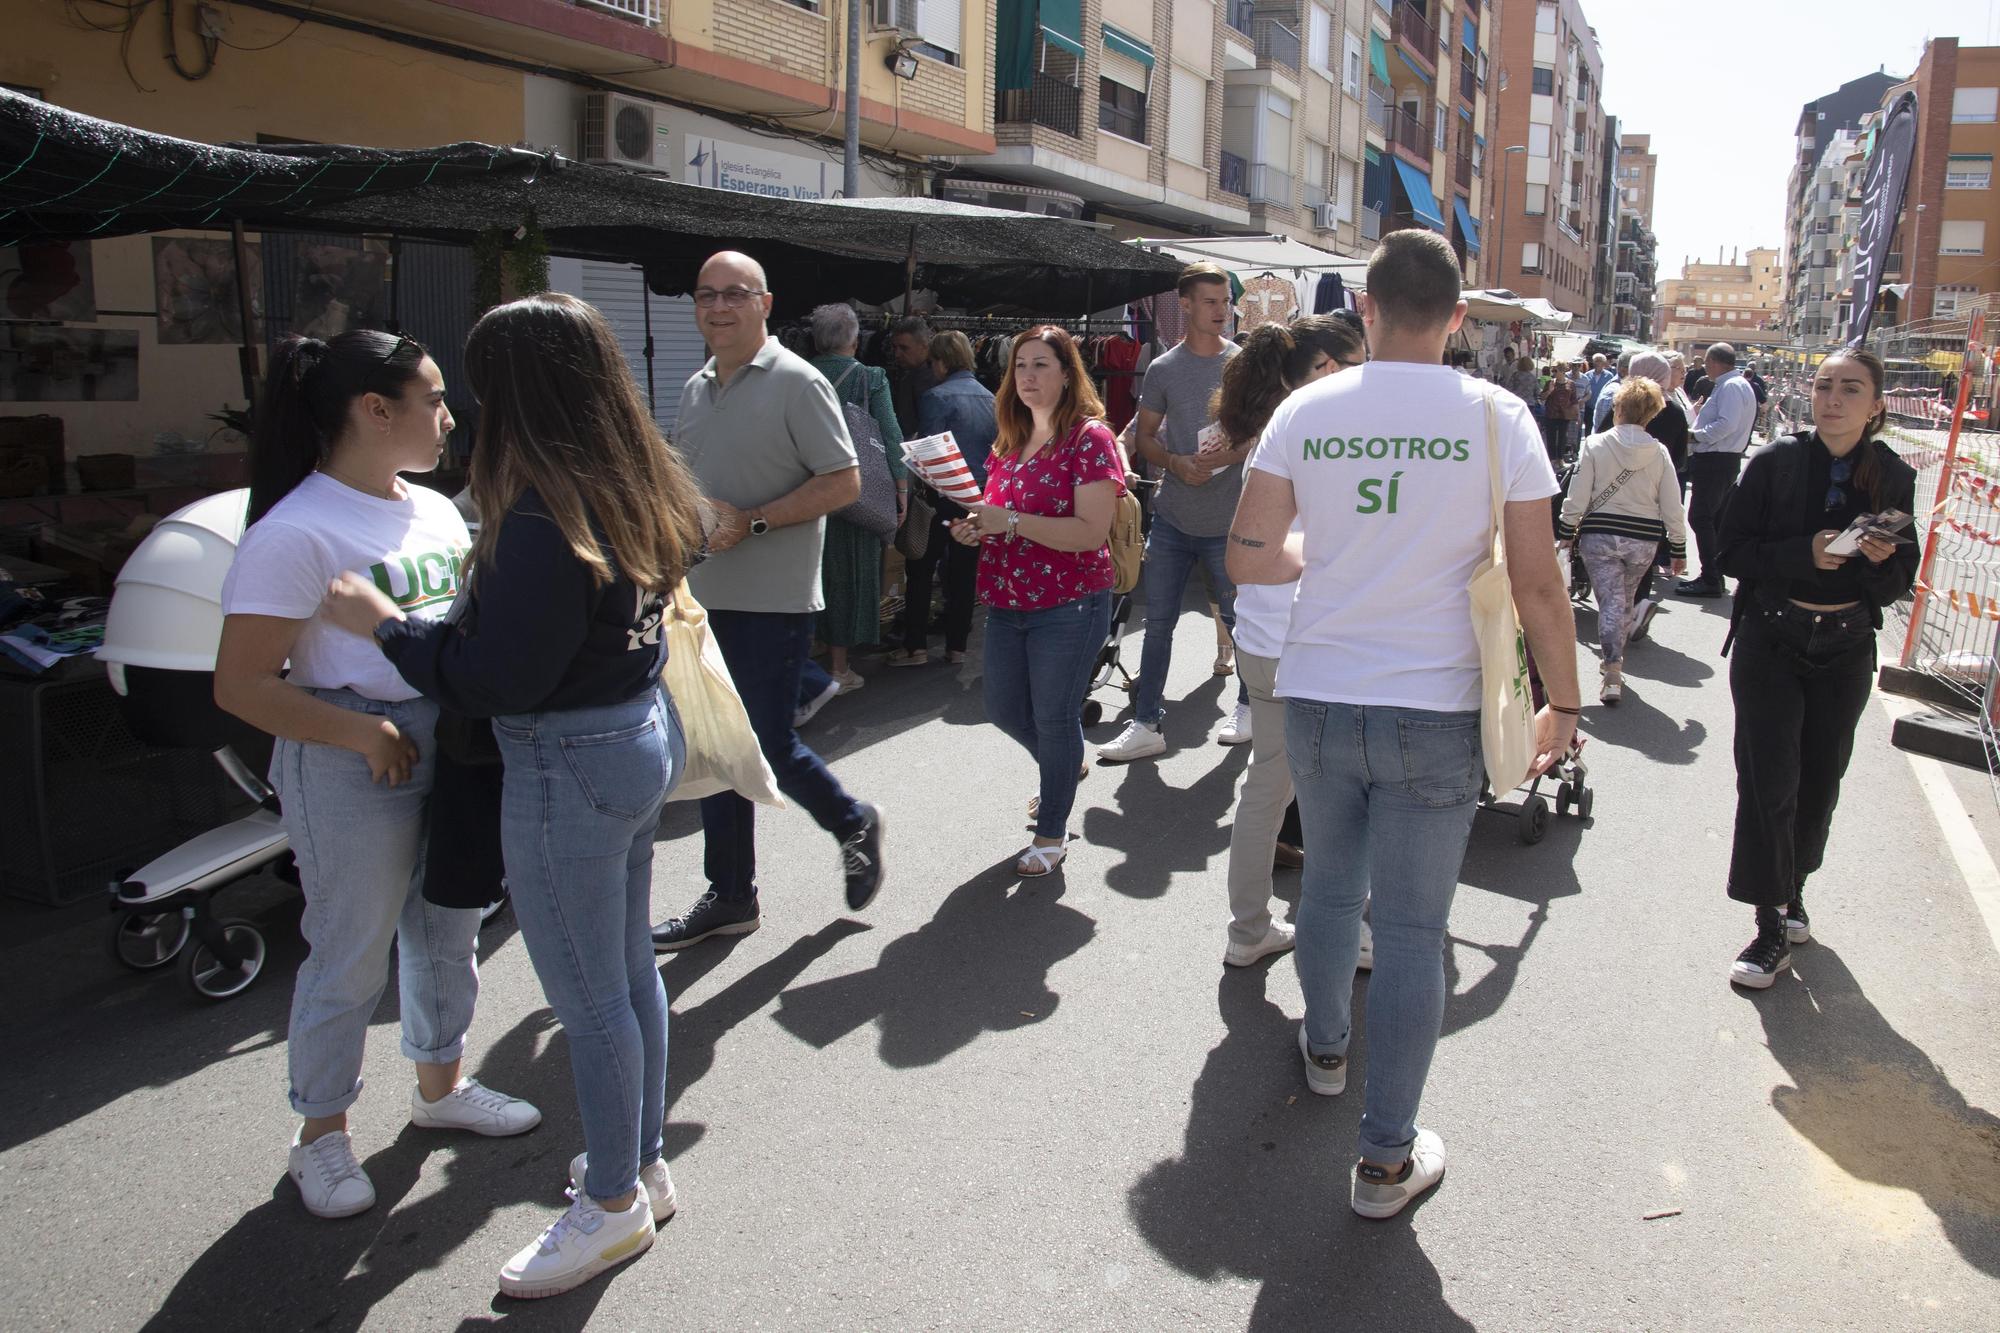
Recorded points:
(592,522)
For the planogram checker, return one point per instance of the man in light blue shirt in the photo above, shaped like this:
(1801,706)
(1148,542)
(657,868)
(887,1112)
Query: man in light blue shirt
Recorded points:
(1600,406)
(1593,384)
(1716,443)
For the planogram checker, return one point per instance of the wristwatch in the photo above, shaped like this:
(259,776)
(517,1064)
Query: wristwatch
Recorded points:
(759,525)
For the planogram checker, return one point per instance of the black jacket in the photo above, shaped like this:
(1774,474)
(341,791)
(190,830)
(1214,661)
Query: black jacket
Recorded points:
(1769,521)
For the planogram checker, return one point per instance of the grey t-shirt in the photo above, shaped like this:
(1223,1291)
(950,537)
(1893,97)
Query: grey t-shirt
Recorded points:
(1180,385)
(773,427)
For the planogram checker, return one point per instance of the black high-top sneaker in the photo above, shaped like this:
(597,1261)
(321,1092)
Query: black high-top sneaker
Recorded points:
(1764,957)
(1798,926)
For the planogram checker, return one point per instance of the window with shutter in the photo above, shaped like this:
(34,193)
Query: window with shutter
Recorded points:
(1187,116)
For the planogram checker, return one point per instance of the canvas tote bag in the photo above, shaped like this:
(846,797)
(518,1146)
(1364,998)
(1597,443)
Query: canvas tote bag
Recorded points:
(1506,704)
(722,750)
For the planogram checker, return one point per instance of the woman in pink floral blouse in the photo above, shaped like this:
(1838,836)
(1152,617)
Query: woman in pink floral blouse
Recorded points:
(1045,569)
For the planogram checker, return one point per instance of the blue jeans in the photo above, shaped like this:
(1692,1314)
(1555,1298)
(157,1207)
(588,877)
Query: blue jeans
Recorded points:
(766,652)
(1171,556)
(1037,665)
(582,796)
(813,680)
(360,849)
(1387,797)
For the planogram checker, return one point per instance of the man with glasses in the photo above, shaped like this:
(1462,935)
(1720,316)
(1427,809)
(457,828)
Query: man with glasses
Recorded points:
(1716,443)
(764,434)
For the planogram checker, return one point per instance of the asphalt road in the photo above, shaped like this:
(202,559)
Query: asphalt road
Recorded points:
(988,1105)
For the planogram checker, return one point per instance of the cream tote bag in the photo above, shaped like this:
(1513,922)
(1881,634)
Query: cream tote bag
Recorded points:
(1506,704)
(722,750)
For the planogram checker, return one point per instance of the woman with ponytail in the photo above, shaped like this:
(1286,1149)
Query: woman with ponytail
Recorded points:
(1276,361)
(338,423)
(1804,632)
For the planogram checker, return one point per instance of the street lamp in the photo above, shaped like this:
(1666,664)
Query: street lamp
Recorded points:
(1506,180)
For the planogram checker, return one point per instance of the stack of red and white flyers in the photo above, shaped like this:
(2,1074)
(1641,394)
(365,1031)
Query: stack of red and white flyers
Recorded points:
(936,461)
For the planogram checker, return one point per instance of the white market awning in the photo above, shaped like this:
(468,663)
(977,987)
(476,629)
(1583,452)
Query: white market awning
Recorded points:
(1260,254)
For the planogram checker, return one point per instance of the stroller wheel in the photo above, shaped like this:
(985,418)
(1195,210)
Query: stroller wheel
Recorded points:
(1093,712)
(211,978)
(1585,798)
(1564,795)
(1534,819)
(148,940)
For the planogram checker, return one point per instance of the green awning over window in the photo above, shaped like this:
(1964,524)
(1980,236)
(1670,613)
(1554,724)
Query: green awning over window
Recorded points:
(1115,40)
(1014,45)
(1971,157)
(1062,25)
(1378,56)
(1374,156)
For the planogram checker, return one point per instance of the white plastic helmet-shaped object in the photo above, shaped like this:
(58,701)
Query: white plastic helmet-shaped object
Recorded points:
(166,610)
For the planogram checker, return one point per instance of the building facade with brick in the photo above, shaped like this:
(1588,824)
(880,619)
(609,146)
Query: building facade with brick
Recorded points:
(1815,200)
(1735,300)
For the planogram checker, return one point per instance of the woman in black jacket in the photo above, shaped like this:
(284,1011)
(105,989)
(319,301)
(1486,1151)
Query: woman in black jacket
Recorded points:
(1805,626)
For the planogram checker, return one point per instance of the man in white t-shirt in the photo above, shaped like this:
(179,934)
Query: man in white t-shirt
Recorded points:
(1386,471)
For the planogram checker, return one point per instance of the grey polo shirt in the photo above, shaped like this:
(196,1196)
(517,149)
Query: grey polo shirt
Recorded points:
(773,427)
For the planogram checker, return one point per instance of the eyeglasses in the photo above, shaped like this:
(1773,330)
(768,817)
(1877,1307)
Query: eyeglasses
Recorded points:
(733,297)
(1836,494)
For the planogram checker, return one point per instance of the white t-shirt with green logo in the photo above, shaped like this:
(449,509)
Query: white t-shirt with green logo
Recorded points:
(1389,465)
(414,549)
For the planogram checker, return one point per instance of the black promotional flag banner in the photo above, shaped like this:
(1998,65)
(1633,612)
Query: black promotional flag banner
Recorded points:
(1881,204)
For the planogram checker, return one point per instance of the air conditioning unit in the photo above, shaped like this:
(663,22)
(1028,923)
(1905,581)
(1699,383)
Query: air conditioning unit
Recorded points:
(623,132)
(900,15)
(1328,217)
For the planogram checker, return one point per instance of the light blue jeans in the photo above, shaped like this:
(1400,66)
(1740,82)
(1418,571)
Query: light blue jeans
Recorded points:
(1395,790)
(1171,557)
(1037,666)
(360,849)
(582,795)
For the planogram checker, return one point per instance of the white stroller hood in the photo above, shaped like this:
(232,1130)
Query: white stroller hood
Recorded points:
(166,610)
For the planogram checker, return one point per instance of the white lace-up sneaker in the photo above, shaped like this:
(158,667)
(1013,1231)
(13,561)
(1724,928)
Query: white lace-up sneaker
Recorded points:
(1367,960)
(1379,1194)
(1236,731)
(659,1185)
(585,1241)
(474,1106)
(1137,741)
(1278,937)
(330,1181)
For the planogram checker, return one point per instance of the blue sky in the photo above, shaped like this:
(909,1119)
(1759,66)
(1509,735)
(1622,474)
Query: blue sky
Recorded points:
(1719,87)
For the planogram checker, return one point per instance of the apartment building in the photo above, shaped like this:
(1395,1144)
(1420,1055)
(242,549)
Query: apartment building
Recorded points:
(1737,300)
(1634,261)
(1550,133)
(1950,228)
(1814,201)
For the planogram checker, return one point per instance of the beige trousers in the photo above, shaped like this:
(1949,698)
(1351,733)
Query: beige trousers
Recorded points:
(1260,807)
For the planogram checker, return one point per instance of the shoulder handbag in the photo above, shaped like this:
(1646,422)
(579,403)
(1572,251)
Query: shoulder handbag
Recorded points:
(913,538)
(722,750)
(1506,704)
(876,509)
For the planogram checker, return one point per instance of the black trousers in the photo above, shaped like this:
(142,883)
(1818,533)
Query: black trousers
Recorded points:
(1800,680)
(961,568)
(1709,476)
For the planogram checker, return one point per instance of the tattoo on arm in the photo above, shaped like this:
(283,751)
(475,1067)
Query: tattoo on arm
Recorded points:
(1241,540)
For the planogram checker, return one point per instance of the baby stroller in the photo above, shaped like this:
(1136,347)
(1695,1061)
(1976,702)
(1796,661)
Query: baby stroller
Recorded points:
(1579,577)
(1571,776)
(1110,663)
(159,649)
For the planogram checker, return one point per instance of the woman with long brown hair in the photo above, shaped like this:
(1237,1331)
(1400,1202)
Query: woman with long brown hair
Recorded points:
(1044,568)
(1804,640)
(592,521)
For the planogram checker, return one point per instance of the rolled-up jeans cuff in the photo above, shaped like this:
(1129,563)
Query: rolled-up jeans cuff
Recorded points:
(321,1110)
(443,1055)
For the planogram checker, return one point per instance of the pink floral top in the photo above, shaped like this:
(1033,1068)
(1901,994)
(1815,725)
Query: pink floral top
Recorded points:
(1022,575)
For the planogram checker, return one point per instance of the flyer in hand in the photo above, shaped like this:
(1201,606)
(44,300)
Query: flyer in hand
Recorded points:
(936,461)
(1886,526)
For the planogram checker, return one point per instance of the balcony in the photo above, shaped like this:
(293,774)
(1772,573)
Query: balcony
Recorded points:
(1371,225)
(1311,195)
(1381,104)
(1419,39)
(1235,175)
(1462,166)
(1276,45)
(1410,133)
(1468,78)
(639,11)
(1270,187)
(1054,103)
(1241,15)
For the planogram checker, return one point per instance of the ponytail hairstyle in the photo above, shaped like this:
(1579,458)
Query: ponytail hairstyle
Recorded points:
(559,412)
(1276,360)
(1867,467)
(307,395)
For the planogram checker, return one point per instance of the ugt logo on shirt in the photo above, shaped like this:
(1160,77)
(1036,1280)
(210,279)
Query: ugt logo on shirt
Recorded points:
(416,581)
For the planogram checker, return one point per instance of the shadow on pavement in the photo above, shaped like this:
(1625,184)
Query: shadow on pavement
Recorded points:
(279,1267)
(1147,809)
(1878,1106)
(1260,1189)
(979,965)
(1638,726)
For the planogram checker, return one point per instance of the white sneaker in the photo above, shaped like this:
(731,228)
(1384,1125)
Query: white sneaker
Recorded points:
(1325,1074)
(659,1185)
(1367,963)
(330,1181)
(474,1106)
(810,709)
(1236,731)
(1379,1195)
(1137,741)
(1277,939)
(582,1243)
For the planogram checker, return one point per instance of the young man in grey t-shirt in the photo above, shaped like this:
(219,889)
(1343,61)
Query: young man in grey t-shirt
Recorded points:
(1196,500)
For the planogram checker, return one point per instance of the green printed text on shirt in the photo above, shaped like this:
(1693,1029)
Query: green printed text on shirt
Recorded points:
(416,581)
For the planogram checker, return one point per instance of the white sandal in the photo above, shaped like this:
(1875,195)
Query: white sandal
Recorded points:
(1046,859)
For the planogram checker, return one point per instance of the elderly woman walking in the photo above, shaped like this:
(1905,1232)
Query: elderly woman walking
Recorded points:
(851,573)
